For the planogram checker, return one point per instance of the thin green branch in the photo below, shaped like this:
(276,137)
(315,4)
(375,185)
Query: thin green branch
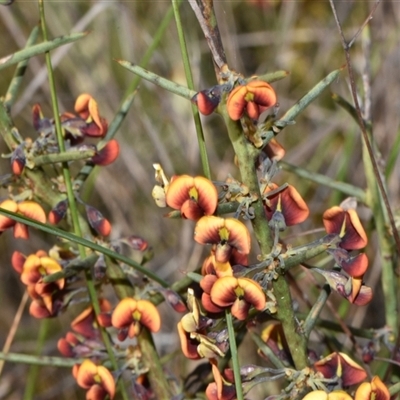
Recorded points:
(316,309)
(33,373)
(267,351)
(234,354)
(19,71)
(83,242)
(189,79)
(40,360)
(308,98)
(158,80)
(39,49)
(285,312)
(321,179)
(67,156)
(72,202)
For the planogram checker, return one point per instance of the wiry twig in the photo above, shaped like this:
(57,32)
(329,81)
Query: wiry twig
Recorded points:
(13,329)
(361,121)
(204,11)
(364,24)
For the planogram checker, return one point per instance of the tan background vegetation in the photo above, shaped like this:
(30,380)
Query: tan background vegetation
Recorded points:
(297,36)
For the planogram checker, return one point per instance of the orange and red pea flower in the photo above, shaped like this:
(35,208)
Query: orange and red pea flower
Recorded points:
(227,233)
(131,314)
(237,293)
(28,209)
(87,109)
(374,390)
(193,196)
(96,378)
(255,97)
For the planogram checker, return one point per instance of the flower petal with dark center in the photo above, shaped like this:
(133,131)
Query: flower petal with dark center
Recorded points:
(217,230)
(375,390)
(236,102)
(7,222)
(253,293)
(223,291)
(150,317)
(122,315)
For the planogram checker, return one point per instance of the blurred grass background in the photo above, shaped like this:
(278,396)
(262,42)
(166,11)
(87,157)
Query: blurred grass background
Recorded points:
(297,36)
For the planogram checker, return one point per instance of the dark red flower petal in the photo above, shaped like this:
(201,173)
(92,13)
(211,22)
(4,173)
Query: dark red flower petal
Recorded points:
(96,220)
(108,154)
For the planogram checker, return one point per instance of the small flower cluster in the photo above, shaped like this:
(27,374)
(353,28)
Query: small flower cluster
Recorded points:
(248,103)
(196,198)
(344,222)
(341,367)
(128,318)
(249,99)
(29,209)
(85,122)
(48,299)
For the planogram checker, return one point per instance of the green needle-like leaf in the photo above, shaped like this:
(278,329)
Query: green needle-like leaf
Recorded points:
(158,80)
(19,71)
(295,110)
(40,360)
(39,49)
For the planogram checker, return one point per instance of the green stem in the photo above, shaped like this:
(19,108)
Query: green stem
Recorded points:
(19,72)
(83,242)
(311,95)
(33,373)
(385,240)
(40,360)
(68,156)
(342,187)
(234,354)
(40,48)
(158,80)
(316,309)
(285,312)
(72,202)
(189,80)
(267,351)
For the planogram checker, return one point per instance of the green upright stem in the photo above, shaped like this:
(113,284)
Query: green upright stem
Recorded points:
(316,309)
(386,245)
(285,313)
(189,80)
(72,202)
(19,71)
(32,378)
(234,354)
